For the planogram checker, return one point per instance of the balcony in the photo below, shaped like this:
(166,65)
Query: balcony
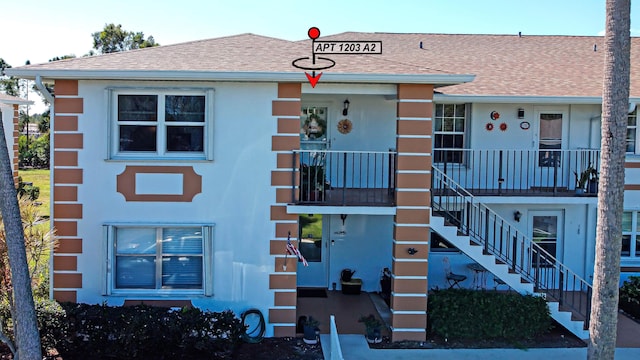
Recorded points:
(344,178)
(520,172)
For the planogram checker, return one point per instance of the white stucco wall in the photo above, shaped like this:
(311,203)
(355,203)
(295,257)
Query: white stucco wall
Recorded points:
(236,194)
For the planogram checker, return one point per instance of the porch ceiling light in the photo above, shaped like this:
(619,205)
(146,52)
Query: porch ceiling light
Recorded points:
(345,110)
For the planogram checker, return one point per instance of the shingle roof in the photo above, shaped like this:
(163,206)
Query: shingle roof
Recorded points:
(506,65)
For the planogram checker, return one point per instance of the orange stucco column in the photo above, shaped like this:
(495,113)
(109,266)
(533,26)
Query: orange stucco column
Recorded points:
(282,280)
(67,178)
(413,202)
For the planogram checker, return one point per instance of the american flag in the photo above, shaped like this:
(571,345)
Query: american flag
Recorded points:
(292,250)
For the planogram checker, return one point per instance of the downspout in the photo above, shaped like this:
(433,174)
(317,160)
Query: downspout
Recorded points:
(49,97)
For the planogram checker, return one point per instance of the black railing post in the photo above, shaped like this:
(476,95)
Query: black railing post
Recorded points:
(588,312)
(514,249)
(344,177)
(556,166)
(293,178)
(486,231)
(500,178)
(561,288)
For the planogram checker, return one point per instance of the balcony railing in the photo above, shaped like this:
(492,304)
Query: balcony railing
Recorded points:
(344,178)
(509,245)
(518,172)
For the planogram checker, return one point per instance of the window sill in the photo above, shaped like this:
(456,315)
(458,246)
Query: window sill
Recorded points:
(149,295)
(159,159)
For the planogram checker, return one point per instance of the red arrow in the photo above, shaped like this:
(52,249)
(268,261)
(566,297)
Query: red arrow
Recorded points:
(313,80)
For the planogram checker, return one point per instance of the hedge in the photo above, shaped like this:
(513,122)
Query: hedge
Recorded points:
(81,331)
(467,314)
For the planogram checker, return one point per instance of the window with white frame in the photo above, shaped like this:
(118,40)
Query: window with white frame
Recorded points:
(159,259)
(632,133)
(630,235)
(161,123)
(449,132)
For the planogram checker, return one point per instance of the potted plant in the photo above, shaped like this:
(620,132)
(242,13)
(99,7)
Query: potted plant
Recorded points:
(587,180)
(373,328)
(592,185)
(311,330)
(313,182)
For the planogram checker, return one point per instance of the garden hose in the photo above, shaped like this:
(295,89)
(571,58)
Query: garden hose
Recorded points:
(253,334)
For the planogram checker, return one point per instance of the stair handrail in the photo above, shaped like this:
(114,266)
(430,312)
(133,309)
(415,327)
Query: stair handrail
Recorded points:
(542,254)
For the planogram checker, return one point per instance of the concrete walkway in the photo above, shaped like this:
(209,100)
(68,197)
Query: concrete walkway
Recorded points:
(355,347)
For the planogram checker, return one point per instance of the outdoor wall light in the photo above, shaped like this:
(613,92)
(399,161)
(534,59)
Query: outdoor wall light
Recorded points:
(517,215)
(521,113)
(345,110)
(412,251)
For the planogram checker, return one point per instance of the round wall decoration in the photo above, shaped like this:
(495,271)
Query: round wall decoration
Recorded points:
(488,127)
(503,126)
(525,125)
(345,126)
(494,115)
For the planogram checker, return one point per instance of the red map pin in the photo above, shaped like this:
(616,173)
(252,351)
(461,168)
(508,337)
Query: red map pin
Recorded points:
(313,33)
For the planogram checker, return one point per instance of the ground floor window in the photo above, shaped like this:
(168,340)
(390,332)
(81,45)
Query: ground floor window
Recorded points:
(159,258)
(630,235)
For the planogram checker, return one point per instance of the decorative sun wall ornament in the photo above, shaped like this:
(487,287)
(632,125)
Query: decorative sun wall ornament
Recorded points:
(345,126)
(503,126)
(494,115)
(488,127)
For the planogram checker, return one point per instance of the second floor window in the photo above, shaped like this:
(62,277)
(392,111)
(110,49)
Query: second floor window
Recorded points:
(449,132)
(632,133)
(161,124)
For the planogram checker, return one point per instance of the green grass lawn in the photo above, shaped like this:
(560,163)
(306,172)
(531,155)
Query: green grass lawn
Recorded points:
(39,178)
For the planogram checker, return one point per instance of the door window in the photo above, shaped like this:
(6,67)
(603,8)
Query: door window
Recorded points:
(550,139)
(545,235)
(311,237)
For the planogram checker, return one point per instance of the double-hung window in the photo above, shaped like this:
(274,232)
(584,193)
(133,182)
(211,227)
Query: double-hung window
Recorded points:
(630,235)
(449,132)
(161,124)
(158,259)
(632,133)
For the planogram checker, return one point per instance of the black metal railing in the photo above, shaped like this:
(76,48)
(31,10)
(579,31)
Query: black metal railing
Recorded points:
(344,178)
(520,172)
(510,246)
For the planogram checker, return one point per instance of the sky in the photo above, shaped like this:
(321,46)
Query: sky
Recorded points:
(38,30)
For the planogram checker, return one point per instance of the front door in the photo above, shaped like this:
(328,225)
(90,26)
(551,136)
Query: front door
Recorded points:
(546,228)
(549,171)
(313,246)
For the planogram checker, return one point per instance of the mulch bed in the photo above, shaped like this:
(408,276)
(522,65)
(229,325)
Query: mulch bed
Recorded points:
(291,348)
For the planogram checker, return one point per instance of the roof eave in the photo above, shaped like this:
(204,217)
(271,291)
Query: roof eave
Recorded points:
(523,99)
(245,76)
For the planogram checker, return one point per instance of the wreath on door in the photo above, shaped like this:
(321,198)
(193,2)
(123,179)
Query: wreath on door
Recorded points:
(345,126)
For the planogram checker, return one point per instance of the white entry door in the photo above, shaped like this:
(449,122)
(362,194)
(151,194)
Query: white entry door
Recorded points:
(546,229)
(313,246)
(551,159)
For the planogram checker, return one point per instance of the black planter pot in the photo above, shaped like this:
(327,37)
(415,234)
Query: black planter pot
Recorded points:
(310,335)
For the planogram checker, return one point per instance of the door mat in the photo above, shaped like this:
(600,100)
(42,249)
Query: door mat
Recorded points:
(312,292)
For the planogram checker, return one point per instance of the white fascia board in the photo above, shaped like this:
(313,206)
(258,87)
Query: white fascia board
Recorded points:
(509,99)
(16,101)
(436,79)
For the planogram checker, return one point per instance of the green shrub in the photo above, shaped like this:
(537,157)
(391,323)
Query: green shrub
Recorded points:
(466,314)
(144,332)
(28,190)
(51,322)
(630,290)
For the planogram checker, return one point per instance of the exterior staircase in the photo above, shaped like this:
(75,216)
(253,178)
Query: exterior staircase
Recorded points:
(509,254)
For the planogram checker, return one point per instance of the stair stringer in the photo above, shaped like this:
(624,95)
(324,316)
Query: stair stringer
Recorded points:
(502,271)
